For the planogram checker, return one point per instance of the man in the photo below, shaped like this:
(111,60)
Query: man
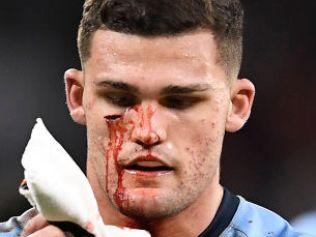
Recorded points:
(157,91)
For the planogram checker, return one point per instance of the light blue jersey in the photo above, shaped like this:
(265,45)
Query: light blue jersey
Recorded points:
(14,226)
(250,220)
(306,222)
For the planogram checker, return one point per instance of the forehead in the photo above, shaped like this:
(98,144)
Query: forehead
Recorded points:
(182,57)
(192,45)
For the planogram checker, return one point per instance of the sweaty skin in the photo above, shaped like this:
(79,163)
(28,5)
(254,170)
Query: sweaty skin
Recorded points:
(166,99)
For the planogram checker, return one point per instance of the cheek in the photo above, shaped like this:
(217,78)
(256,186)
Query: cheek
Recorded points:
(94,114)
(97,133)
(204,151)
(202,135)
(201,144)
(96,109)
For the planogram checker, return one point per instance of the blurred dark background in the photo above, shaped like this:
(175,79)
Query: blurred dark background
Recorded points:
(272,161)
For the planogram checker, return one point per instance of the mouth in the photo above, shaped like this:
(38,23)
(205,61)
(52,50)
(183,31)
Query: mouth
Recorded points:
(148,168)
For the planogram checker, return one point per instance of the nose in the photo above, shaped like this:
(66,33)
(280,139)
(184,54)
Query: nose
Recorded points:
(148,130)
(147,140)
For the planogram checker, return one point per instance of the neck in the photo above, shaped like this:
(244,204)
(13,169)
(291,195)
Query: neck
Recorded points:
(199,214)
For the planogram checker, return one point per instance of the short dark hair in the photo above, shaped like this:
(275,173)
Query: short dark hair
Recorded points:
(151,18)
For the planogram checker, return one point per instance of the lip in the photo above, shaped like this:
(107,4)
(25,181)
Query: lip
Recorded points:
(149,161)
(140,173)
(146,156)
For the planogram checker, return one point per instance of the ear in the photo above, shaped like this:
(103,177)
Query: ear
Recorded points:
(242,96)
(74,93)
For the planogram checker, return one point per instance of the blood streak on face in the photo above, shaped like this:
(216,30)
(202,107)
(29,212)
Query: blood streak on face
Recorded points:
(121,127)
(116,137)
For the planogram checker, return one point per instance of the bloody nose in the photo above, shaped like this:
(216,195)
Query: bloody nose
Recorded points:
(143,133)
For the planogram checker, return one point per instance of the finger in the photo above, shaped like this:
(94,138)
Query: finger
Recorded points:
(36,223)
(48,231)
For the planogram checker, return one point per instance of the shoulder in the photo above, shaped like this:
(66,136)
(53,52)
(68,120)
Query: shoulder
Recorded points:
(251,220)
(14,226)
(306,222)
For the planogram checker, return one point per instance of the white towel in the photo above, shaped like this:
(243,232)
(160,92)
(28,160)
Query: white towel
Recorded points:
(59,189)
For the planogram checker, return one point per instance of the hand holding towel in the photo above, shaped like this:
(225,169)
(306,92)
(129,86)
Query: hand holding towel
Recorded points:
(59,189)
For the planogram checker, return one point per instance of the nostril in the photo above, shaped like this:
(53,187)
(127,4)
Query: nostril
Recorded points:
(147,144)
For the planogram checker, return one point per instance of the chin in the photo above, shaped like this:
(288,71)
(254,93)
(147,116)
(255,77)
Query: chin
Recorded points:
(148,203)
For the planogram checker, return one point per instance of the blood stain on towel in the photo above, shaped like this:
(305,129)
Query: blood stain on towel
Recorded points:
(90,227)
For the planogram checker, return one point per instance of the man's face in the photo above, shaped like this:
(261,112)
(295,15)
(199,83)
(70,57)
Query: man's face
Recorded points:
(155,114)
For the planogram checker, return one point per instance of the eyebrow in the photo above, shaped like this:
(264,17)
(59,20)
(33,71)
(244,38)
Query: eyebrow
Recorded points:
(176,89)
(118,85)
(169,90)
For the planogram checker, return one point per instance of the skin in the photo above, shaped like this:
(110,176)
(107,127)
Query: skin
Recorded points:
(168,97)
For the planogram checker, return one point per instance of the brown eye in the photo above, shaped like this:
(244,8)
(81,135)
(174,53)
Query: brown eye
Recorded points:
(179,102)
(121,99)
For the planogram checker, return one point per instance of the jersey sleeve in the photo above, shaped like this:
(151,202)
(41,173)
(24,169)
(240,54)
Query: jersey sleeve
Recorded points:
(14,226)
